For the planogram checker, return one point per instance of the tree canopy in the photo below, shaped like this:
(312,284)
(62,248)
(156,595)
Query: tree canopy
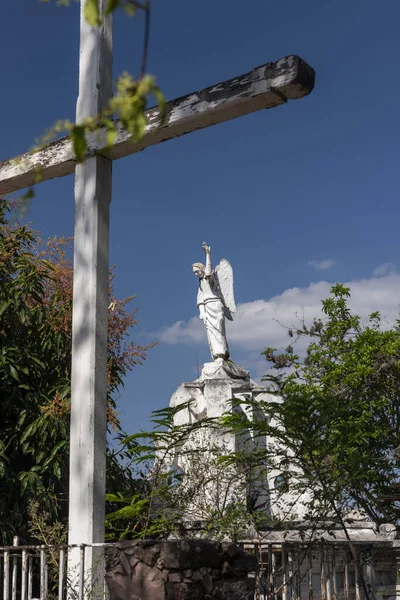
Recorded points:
(335,420)
(35,364)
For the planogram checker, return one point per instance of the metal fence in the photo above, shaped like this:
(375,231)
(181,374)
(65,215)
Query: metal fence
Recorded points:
(42,572)
(286,571)
(324,571)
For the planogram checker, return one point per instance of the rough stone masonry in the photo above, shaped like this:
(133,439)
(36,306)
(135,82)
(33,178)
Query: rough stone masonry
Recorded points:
(179,570)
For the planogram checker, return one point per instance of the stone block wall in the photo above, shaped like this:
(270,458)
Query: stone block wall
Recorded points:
(179,570)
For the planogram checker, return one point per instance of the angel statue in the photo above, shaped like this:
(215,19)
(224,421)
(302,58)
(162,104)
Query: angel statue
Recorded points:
(215,301)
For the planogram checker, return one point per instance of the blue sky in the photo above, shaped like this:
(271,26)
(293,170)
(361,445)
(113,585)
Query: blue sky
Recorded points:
(277,192)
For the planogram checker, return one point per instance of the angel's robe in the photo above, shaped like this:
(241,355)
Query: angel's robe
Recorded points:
(212,312)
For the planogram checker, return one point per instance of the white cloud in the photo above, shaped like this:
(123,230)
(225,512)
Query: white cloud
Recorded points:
(387,268)
(260,323)
(322,265)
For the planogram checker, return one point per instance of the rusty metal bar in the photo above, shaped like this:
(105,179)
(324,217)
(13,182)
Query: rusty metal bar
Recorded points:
(323,574)
(6,576)
(310,568)
(61,574)
(290,574)
(346,583)
(334,580)
(370,575)
(82,572)
(257,550)
(14,571)
(24,575)
(46,577)
(298,573)
(357,582)
(42,574)
(268,572)
(261,579)
(273,573)
(284,574)
(328,576)
(30,576)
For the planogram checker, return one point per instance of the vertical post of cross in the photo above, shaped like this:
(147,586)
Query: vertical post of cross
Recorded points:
(89,322)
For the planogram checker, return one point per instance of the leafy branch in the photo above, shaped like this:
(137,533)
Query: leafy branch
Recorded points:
(127,106)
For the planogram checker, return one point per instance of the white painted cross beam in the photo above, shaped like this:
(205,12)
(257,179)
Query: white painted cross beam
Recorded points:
(267,86)
(264,87)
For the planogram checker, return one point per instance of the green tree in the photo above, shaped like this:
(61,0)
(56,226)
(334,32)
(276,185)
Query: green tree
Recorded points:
(335,419)
(334,425)
(35,358)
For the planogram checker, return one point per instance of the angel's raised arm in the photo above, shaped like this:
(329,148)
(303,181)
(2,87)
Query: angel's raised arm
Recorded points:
(207,250)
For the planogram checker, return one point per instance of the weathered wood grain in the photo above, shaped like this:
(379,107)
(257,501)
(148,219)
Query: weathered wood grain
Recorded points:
(267,86)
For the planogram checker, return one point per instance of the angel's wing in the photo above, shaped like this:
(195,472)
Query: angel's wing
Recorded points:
(224,274)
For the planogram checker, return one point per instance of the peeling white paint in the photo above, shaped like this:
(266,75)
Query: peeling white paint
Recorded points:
(264,87)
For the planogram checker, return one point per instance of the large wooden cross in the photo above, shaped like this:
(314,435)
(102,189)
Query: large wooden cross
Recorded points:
(267,86)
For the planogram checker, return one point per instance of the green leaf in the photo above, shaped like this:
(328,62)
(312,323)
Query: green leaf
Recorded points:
(4,306)
(91,13)
(111,137)
(38,175)
(25,198)
(57,470)
(116,498)
(111,6)
(79,142)
(40,457)
(139,127)
(130,9)
(14,373)
(30,430)
(38,361)
(129,512)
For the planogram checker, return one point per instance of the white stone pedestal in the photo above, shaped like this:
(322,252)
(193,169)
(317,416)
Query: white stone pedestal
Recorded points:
(212,486)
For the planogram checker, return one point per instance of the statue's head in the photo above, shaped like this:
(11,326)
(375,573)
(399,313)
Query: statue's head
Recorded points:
(199,270)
